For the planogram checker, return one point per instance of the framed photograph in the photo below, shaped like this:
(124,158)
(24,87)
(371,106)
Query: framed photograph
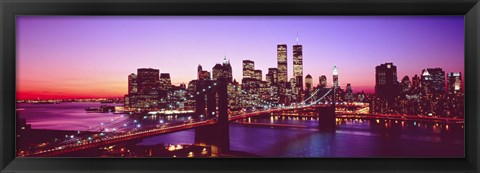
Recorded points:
(185,86)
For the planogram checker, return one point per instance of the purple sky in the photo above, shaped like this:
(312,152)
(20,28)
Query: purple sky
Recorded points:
(84,55)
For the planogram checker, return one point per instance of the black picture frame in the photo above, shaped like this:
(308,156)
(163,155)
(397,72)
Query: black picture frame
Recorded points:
(11,8)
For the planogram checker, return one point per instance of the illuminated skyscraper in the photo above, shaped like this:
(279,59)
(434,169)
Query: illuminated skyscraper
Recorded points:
(132,84)
(426,81)
(223,70)
(257,75)
(227,70)
(165,81)
(203,75)
(164,87)
(248,68)
(308,83)
(335,83)
(148,94)
(272,84)
(272,75)
(217,71)
(282,74)
(192,87)
(148,81)
(349,93)
(454,83)
(282,63)
(293,89)
(132,90)
(433,80)
(406,84)
(298,65)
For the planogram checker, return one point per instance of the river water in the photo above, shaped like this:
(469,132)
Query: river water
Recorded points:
(353,138)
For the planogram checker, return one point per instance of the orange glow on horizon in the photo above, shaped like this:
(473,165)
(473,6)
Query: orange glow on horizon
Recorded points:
(42,96)
(62,90)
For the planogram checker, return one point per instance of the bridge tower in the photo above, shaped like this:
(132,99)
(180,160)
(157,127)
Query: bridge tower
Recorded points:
(218,134)
(327,116)
(200,98)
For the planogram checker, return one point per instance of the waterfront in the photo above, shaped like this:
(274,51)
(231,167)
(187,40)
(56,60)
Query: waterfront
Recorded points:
(63,116)
(353,138)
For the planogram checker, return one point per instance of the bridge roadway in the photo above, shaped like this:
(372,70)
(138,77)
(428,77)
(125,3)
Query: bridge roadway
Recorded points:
(352,115)
(346,114)
(123,137)
(146,133)
(401,117)
(156,131)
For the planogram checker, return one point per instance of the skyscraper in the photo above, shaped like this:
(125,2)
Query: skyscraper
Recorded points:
(227,70)
(454,83)
(298,66)
(192,87)
(415,82)
(223,70)
(349,93)
(272,75)
(148,81)
(202,75)
(217,71)
(433,80)
(132,84)
(257,75)
(406,84)
(199,71)
(322,81)
(165,81)
(335,83)
(293,89)
(386,81)
(130,98)
(248,68)
(282,74)
(308,83)
(148,94)
(282,63)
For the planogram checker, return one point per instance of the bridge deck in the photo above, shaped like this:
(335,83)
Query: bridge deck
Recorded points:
(156,131)
(124,137)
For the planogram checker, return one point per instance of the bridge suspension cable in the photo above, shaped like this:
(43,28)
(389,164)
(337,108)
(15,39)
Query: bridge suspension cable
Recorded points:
(311,96)
(98,130)
(316,101)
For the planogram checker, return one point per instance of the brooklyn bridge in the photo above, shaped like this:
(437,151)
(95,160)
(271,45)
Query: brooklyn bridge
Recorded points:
(210,122)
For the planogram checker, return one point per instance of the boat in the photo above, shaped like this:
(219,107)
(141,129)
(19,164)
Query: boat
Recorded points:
(93,110)
(101,109)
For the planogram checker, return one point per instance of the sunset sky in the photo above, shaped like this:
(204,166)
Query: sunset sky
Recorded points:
(91,56)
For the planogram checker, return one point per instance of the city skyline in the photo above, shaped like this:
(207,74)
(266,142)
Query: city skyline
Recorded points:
(438,42)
